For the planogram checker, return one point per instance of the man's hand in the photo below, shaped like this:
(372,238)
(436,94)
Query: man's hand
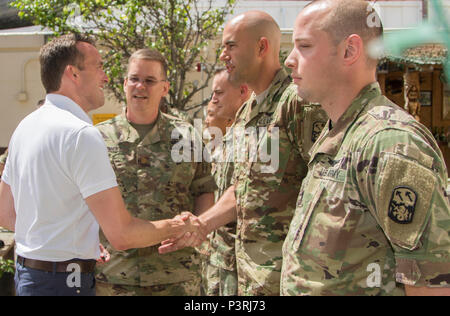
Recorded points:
(104,255)
(195,235)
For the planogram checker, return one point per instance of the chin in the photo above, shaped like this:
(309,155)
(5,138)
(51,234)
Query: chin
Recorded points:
(304,95)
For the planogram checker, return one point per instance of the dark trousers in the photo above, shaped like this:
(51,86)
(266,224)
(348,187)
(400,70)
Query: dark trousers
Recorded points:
(32,282)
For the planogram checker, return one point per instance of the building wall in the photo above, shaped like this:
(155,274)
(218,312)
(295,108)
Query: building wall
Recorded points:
(20,84)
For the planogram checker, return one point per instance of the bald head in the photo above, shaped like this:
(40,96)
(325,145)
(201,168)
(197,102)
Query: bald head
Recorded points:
(258,24)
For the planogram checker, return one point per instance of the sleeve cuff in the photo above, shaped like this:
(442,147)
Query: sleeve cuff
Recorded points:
(423,273)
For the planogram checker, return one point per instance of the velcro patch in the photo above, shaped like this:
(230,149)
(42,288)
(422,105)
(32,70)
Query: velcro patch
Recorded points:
(404,199)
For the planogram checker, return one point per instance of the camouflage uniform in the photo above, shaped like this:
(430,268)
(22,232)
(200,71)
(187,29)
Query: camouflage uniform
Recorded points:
(3,161)
(220,274)
(372,212)
(154,187)
(265,199)
(177,113)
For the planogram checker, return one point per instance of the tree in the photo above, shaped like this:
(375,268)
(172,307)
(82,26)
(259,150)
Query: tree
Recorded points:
(180,29)
(8,16)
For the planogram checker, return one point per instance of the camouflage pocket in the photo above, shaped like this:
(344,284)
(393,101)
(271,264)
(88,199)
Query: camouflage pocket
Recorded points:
(124,170)
(305,218)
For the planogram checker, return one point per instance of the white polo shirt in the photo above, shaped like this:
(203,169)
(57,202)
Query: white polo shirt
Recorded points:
(57,158)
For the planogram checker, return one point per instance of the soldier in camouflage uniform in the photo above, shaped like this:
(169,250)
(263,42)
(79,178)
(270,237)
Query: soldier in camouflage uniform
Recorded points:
(372,217)
(220,274)
(153,183)
(266,200)
(275,123)
(3,161)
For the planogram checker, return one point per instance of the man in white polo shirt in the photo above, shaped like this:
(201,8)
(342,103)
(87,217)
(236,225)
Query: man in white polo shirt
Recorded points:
(58,185)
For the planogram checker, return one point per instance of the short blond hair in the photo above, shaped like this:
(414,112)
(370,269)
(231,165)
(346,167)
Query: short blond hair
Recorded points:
(150,54)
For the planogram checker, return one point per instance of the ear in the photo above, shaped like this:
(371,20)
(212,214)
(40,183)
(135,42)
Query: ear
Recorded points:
(353,49)
(263,46)
(125,84)
(166,88)
(71,73)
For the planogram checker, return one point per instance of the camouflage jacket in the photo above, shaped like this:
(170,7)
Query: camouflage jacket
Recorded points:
(221,243)
(372,211)
(154,187)
(272,141)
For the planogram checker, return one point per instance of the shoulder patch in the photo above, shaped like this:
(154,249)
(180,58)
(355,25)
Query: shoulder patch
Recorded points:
(404,197)
(402,205)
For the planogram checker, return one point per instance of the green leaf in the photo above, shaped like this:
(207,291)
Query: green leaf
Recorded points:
(125,26)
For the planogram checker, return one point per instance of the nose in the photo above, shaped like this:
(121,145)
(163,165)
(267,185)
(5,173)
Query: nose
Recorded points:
(140,85)
(223,55)
(105,77)
(290,61)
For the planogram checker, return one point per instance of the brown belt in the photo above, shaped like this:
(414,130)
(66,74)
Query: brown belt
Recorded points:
(86,266)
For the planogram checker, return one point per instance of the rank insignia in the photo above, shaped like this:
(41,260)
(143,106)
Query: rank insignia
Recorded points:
(402,205)
(316,130)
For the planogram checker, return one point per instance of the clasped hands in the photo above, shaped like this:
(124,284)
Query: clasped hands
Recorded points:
(194,234)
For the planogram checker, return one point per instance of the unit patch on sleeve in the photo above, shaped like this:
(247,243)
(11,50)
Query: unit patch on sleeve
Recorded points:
(402,205)
(403,198)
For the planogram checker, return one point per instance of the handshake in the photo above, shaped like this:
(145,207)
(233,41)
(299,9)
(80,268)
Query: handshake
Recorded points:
(189,231)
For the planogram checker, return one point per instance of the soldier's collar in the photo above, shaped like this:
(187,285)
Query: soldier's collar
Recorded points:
(126,132)
(130,134)
(278,81)
(154,136)
(260,97)
(331,143)
(368,93)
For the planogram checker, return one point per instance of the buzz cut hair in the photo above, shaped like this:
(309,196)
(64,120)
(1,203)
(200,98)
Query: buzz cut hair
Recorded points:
(349,17)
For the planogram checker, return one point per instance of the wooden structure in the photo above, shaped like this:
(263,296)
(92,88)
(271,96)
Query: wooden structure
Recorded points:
(416,82)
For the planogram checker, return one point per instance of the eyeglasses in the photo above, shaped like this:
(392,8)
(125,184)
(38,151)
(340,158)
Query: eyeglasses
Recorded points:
(145,82)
